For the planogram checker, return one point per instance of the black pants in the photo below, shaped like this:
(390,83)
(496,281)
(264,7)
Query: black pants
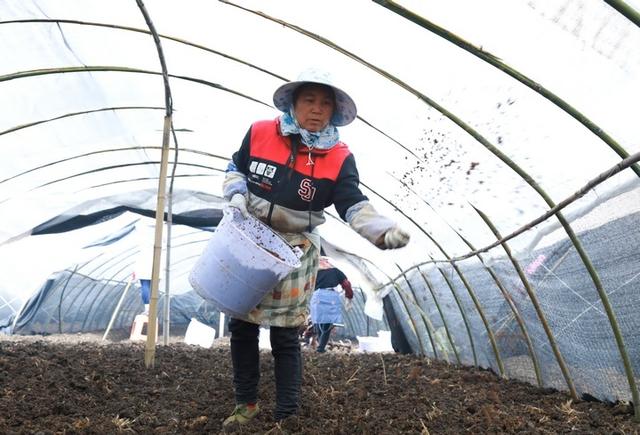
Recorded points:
(245,355)
(324,332)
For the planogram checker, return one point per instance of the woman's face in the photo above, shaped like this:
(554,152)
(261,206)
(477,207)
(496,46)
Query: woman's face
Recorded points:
(313,107)
(324,263)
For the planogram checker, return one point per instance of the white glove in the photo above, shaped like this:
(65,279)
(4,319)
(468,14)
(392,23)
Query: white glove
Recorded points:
(240,202)
(396,238)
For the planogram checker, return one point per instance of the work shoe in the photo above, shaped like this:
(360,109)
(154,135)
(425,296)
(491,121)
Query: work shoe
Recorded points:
(242,414)
(289,424)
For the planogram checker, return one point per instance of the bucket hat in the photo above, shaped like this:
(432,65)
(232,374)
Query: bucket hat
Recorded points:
(345,110)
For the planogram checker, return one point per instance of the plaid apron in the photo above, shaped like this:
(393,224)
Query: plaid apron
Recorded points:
(287,304)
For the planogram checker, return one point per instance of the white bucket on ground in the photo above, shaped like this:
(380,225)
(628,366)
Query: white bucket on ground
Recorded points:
(243,261)
(199,334)
(381,343)
(367,344)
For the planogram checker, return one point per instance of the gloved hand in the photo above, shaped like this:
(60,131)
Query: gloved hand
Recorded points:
(240,202)
(395,238)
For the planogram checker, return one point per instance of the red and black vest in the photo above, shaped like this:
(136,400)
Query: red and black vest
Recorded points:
(290,186)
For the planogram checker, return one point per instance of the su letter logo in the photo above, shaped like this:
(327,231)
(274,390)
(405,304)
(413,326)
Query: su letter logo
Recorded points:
(306,191)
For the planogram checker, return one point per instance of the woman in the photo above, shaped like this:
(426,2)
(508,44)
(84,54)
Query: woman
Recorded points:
(326,302)
(286,172)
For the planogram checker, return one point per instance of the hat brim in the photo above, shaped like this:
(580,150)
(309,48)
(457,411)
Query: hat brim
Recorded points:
(345,111)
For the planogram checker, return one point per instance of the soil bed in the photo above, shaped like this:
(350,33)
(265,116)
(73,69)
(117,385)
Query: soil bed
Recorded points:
(76,384)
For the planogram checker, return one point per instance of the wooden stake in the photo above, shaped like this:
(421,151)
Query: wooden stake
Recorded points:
(150,349)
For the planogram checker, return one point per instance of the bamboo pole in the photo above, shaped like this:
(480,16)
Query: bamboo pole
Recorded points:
(413,323)
(150,348)
(124,165)
(495,278)
(613,320)
(167,293)
(463,314)
(395,285)
(97,300)
(497,63)
(425,319)
(584,121)
(99,68)
(86,276)
(107,68)
(601,178)
(444,321)
(72,114)
(629,12)
(62,297)
(113,150)
(415,304)
(390,282)
(553,98)
(536,306)
(83,295)
(166,333)
(483,317)
(485,56)
(148,32)
(466,284)
(518,317)
(117,308)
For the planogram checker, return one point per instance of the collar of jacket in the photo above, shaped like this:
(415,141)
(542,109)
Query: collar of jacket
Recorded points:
(302,147)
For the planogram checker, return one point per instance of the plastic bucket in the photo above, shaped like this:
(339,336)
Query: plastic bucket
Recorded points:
(242,262)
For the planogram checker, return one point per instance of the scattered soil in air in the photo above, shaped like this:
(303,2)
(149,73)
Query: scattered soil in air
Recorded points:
(75,384)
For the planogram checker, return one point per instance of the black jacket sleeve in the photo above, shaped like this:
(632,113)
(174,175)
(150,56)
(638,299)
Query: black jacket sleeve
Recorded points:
(347,191)
(240,158)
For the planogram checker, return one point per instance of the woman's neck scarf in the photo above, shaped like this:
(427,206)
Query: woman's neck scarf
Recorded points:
(322,140)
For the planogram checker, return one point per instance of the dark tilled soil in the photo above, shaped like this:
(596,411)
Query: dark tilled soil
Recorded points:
(57,385)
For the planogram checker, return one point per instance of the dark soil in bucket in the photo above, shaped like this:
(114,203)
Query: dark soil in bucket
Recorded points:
(76,384)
